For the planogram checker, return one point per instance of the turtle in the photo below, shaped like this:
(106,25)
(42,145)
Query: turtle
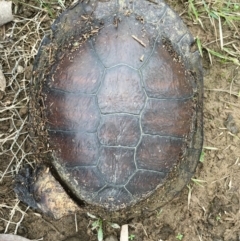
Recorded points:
(115,112)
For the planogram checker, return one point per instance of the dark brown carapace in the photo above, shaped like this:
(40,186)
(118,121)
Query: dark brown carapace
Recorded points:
(123,102)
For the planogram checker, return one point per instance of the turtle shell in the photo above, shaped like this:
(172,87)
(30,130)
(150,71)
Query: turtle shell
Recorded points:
(121,90)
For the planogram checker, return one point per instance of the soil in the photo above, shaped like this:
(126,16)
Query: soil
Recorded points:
(208,209)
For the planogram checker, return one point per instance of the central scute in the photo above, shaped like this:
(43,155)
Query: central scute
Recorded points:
(119,107)
(121,91)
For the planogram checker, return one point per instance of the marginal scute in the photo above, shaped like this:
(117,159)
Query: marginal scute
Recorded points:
(119,129)
(89,6)
(116,164)
(71,112)
(158,153)
(168,117)
(77,148)
(151,13)
(105,8)
(188,164)
(172,26)
(184,47)
(72,73)
(121,91)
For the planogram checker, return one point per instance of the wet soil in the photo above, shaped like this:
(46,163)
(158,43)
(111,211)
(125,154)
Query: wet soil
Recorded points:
(208,209)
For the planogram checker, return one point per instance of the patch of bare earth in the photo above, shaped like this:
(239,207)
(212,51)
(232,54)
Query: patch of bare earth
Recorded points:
(208,209)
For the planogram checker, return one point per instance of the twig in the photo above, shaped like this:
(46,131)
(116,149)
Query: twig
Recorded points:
(139,41)
(152,1)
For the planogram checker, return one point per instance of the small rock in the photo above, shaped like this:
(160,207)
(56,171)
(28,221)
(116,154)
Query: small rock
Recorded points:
(5,12)
(231,125)
(20,69)
(2,81)
(220,156)
(111,238)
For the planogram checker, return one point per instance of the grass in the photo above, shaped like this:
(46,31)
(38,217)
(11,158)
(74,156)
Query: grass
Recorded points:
(218,15)
(202,157)
(50,7)
(131,237)
(159,212)
(198,181)
(179,236)
(97,225)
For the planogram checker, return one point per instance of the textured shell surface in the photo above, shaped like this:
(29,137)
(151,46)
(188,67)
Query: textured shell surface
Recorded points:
(123,100)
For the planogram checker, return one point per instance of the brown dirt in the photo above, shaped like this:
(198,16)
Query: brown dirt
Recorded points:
(206,212)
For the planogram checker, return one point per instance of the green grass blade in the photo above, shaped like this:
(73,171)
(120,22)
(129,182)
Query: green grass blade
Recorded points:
(224,57)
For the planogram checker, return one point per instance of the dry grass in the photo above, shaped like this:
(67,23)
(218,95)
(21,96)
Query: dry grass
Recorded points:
(19,43)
